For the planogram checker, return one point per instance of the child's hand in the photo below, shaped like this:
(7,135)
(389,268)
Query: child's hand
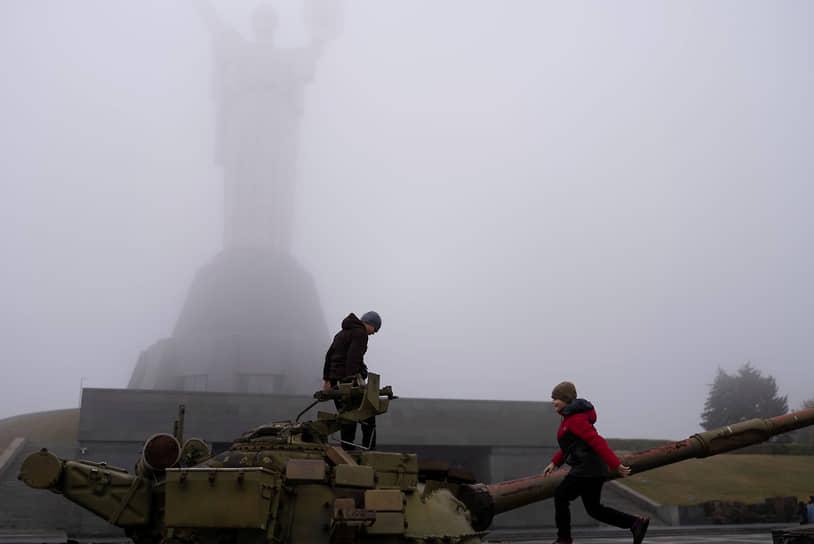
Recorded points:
(548,469)
(623,470)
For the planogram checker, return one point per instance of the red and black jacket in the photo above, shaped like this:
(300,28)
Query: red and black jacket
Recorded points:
(581,446)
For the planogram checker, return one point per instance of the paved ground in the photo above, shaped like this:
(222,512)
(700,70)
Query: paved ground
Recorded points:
(711,534)
(740,539)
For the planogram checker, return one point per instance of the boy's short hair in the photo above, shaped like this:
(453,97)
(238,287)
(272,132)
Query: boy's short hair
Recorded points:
(564,391)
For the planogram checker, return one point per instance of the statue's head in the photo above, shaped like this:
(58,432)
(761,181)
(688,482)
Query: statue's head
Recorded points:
(264,21)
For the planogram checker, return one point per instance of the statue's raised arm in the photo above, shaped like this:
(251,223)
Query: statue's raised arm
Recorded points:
(212,21)
(324,23)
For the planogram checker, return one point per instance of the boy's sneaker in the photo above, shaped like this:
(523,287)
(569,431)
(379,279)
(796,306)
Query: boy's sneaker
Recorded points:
(564,541)
(639,529)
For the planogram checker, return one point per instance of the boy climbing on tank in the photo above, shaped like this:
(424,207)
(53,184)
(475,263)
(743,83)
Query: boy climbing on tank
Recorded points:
(345,360)
(590,459)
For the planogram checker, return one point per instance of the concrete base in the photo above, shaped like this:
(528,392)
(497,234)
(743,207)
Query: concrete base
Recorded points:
(252,323)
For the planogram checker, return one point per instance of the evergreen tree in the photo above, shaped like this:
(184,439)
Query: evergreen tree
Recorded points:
(742,396)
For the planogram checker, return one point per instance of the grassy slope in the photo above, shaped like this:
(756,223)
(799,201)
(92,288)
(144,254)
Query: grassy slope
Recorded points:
(745,478)
(54,426)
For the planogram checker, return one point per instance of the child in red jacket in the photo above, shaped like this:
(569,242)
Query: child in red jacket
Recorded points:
(590,459)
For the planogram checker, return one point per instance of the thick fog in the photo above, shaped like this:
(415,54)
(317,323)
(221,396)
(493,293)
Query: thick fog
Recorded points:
(618,194)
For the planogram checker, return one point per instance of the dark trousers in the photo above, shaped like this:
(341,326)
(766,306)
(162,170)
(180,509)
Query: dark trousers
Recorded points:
(347,431)
(590,490)
(348,434)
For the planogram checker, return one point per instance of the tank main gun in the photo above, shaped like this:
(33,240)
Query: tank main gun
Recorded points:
(285,482)
(516,493)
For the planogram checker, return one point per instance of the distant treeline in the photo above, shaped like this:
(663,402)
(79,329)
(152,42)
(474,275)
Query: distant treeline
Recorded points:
(778,448)
(627,445)
(623,445)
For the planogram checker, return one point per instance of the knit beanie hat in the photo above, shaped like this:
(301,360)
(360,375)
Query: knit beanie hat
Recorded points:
(565,391)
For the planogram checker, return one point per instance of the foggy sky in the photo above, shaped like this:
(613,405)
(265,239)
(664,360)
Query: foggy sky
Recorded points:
(619,194)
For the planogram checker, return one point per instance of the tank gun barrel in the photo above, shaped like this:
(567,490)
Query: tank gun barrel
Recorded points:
(516,493)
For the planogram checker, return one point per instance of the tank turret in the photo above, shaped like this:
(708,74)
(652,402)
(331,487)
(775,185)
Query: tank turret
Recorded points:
(284,482)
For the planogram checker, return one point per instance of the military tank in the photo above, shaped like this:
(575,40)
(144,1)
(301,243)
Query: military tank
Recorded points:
(286,483)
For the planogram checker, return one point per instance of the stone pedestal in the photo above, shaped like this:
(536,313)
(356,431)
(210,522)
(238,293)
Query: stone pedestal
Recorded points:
(251,323)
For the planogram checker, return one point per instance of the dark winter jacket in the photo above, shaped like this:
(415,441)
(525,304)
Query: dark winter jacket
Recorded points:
(346,355)
(581,446)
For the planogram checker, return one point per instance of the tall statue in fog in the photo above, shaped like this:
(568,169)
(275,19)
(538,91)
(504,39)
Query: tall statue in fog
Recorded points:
(252,321)
(258,90)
